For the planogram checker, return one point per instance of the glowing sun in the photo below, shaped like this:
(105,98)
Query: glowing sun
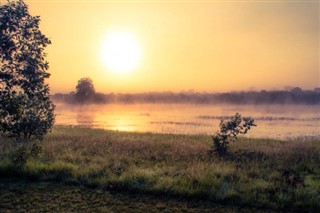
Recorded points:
(120,52)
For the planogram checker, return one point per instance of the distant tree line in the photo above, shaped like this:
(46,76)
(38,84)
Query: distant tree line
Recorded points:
(86,94)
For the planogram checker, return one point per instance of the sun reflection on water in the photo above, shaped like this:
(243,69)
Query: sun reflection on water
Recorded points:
(272,121)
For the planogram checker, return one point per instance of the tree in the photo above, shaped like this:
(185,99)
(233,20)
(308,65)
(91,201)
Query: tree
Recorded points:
(229,131)
(84,90)
(25,108)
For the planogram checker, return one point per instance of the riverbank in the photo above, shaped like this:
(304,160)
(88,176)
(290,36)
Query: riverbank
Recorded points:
(259,173)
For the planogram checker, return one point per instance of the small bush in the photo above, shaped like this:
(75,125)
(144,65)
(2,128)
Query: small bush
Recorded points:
(20,157)
(229,131)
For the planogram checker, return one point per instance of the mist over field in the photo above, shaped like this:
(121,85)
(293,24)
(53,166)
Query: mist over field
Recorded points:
(293,96)
(273,120)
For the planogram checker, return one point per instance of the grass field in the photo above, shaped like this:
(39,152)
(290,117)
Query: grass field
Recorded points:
(260,174)
(21,196)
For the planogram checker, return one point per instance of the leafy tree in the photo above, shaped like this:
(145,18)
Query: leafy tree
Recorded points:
(229,131)
(84,90)
(25,108)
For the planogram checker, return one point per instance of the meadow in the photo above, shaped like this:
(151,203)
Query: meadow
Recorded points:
(163,172)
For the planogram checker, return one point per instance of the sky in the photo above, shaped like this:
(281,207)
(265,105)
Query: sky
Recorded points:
(213,46)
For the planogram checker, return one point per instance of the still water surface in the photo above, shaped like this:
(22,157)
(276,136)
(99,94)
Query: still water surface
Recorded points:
(274,121)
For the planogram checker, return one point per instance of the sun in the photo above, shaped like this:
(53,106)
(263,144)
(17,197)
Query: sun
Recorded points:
(120,52)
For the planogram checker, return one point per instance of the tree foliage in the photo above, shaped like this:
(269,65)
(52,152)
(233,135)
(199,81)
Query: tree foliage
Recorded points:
(25,108)
(84,90)
(229,130)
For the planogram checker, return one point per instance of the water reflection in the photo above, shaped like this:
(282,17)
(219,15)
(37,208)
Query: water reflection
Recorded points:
(274,121)
(124,123)
(85,118)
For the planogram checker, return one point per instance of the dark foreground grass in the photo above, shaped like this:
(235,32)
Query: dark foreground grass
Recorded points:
(258,173)
(21,196)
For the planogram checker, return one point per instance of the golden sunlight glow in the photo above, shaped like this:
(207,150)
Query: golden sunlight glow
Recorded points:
(120,52)
(139,46)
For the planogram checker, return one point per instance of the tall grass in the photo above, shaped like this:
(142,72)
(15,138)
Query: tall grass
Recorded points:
(262,173)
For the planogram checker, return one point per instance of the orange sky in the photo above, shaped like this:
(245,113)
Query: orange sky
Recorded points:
(199,45)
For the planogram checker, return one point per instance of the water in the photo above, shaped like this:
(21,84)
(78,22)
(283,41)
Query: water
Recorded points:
(274,121)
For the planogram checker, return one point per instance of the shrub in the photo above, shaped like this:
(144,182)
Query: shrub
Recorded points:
(20,157)
(229,130)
